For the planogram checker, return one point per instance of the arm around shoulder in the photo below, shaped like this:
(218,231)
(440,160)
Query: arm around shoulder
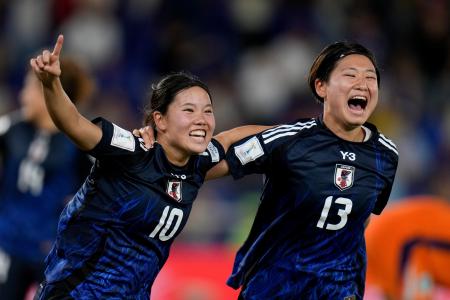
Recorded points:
(229,137)
(226,139)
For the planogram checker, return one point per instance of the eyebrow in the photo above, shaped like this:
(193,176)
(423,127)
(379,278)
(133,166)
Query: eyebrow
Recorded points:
(192,104)
(355,69)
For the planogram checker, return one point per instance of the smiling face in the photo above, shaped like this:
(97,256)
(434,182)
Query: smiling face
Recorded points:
(350,94)
(187,126)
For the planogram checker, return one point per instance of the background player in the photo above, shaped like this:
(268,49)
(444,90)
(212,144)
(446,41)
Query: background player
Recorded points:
(40,170)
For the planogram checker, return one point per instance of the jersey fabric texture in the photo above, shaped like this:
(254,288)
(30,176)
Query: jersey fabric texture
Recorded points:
(40,172)
(115,234)
(307,239)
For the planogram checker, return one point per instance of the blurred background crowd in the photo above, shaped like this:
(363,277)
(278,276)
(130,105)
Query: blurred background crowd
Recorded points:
(255,56)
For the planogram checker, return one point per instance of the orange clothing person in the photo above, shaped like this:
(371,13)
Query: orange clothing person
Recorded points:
(408,249)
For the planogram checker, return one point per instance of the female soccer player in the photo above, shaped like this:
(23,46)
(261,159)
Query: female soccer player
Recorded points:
(115,234)
(324,177)
(41,170)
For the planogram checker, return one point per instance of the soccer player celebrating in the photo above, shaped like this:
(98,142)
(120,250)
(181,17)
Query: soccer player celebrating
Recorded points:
(114,235)
(324,177)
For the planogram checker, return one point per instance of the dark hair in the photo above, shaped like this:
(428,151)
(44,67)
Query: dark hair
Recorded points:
(164,92)
(76,81)
(327,59)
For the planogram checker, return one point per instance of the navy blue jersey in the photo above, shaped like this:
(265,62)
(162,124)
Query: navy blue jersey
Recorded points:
(307,239)
(39,173)
(114,235)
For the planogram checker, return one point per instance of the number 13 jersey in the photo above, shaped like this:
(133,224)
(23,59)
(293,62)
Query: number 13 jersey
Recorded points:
(319,191)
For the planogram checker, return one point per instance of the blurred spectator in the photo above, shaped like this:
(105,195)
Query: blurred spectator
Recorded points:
(40,169)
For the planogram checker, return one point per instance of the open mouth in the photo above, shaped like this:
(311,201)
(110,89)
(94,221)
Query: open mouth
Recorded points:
(198,133)
(357,103)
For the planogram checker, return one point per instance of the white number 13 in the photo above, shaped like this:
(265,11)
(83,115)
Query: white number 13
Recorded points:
(341,212)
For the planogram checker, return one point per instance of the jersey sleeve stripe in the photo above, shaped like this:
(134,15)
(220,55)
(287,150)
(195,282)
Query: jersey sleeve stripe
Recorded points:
(284,128)
(388,141)
(293,131)
(280,135)
(388,145)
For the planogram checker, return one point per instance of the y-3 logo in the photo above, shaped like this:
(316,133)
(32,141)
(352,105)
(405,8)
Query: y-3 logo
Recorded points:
(350,155)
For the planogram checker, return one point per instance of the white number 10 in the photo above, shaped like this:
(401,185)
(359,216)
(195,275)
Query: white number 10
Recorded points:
(341,212)
(163,236)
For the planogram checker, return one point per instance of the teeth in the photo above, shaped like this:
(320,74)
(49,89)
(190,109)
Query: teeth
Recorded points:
(201,133)
(359,98)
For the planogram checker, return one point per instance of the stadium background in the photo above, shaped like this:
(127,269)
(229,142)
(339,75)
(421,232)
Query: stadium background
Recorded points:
(255,56)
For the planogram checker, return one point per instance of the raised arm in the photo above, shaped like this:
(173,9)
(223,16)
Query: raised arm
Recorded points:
(226,139)
(62,111)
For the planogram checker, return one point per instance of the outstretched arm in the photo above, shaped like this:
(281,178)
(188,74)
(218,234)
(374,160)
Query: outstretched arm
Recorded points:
(226,139)
(63,112)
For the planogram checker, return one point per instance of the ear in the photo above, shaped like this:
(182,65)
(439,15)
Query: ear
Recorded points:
(321,88)
(160,121)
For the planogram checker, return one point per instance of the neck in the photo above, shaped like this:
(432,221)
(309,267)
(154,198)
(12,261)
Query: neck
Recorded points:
(175,156)
(349,133)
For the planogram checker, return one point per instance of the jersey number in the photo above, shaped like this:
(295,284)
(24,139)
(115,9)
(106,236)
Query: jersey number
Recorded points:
(343,213)
(166,222)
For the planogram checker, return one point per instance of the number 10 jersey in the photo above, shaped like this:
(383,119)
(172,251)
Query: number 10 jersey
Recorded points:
(115,234)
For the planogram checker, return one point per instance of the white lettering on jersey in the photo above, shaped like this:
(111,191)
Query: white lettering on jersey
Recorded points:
(122,139)
(31,173)
(249,151)
(167,223)
(342,213)
(351,156)
(182,176)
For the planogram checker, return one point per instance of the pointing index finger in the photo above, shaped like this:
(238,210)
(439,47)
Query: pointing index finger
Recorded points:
(58,45)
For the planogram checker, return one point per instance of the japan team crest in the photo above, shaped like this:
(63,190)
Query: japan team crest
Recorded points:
(174,189)
(343,176)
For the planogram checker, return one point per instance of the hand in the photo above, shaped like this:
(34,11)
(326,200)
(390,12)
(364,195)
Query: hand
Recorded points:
(47,66)
(147,134)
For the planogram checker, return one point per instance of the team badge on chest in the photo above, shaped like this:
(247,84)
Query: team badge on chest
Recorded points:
(344,176)
(174,189)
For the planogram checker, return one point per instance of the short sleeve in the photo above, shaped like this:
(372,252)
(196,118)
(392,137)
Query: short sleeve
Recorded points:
(390,171)
(211,156)
(257,153)
(117,144)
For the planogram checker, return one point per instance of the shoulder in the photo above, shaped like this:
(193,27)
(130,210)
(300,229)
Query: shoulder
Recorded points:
(384,143)
(283,133)
(8,121)
(213,154)
(387,144)
(116,141)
